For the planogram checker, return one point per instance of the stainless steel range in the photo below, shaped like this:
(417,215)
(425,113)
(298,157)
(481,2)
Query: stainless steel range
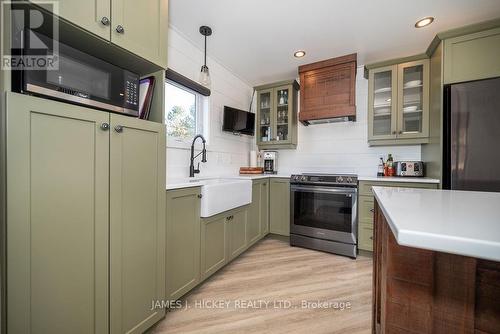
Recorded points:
(323,212)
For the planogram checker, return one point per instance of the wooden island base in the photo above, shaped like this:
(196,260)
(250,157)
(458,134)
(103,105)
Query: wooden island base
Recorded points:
(423,291)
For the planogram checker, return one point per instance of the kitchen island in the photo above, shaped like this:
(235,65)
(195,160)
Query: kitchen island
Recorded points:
(436,261)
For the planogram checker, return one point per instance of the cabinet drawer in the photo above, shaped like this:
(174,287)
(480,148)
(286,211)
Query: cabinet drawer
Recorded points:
(366,209)
(365,236)
(365,188)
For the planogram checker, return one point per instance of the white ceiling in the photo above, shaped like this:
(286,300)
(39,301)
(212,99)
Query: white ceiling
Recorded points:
(256,39)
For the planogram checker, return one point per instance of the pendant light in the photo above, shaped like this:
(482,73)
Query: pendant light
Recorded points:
(205,73)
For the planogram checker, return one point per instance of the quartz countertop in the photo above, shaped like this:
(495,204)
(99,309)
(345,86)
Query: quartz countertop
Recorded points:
(398,179)
(458,222)
(179,183)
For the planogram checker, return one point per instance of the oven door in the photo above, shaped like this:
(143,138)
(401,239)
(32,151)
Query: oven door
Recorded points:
(324,212)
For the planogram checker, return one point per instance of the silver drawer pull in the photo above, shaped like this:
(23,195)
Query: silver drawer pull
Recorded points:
(104,126)
(372,210)
(105,21)
(119,128)
(120,29)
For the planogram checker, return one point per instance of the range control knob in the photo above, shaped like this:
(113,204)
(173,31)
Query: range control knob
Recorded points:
(348,179)
(303,178)
(340,179)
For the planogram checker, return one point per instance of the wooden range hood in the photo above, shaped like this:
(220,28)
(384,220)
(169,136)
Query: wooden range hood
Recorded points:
(328,90)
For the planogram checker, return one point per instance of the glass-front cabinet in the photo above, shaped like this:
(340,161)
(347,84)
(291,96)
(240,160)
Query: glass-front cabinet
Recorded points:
(277,115)
(398,104)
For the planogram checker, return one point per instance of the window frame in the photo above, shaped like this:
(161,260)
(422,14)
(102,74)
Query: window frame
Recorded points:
(202,108)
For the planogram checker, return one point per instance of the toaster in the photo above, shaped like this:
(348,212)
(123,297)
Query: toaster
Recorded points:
(410,168)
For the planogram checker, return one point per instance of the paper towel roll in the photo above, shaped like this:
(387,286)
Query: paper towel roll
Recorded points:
(253,159)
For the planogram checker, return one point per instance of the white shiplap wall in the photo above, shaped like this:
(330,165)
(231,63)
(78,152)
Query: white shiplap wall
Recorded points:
(341,147)
(338,147)
(226,152)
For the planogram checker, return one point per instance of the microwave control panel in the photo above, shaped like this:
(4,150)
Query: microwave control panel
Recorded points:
(131,92)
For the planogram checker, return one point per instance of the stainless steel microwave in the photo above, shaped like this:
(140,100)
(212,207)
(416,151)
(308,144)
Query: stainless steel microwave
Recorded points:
(79,78)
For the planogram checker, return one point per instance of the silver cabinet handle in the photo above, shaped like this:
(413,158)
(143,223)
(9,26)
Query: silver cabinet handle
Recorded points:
(400,132)
(120,29)
(372,210)
(105,21)
(393,132)
(104,126)
(119,128)
(200,195)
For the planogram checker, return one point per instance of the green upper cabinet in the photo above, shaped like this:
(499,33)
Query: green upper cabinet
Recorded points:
(137,223)
(472,57)
(398,104)
(93,16)
(141,27)
(183,241)
(57,217)
(277,115)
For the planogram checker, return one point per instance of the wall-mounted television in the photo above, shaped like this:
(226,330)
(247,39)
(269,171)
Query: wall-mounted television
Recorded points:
(238,121)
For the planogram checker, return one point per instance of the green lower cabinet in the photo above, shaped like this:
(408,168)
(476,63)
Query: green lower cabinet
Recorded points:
(214,244)
(237,232)
(254,214)
(366,207)
(183,241)
(279,207)
(264,209)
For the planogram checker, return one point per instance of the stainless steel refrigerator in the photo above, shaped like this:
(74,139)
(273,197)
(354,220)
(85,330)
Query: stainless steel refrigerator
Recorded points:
(471,145)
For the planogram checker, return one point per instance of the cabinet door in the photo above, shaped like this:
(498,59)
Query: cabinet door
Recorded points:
(264,209)
(183,241)
(214,244)
(280,207)
(57,217)
(141,27)
(137,223)
(254,214)
(282,114)
(413,99)
(265,107)
(382,101)
(94,16)
(238,235)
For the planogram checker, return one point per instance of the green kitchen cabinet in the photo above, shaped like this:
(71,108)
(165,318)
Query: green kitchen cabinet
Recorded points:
(279,199)
(183,241)
(398,104)
(258,211)
(57,217)
(366,207)
(214,244)
(140,27)
(277,115)
(85,224)
(472,57)
(144,28)
(264,209)
(137,223)
(237,222)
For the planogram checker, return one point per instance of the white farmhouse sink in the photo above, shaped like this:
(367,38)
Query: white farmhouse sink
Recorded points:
(219,195)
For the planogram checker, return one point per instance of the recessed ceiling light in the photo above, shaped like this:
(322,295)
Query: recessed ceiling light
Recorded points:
(424,22)
(299,54)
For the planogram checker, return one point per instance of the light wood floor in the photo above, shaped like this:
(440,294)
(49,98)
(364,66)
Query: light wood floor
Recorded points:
(273,271)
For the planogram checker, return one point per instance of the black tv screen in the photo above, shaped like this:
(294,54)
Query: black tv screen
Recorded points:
(238,121)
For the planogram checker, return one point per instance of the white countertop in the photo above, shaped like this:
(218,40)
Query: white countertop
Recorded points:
(398,179)
(179,183)
(451,221)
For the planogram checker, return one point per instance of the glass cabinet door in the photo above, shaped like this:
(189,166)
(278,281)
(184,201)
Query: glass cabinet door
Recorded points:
(382,101)
(265,105)
(413,99)
(282,113)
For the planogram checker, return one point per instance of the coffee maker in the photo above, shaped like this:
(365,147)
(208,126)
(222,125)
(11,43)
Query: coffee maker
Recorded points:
(270,159)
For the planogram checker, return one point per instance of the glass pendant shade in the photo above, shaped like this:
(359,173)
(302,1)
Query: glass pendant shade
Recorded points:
(205,76)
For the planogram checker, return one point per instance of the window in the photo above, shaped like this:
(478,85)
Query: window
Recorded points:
(185,114)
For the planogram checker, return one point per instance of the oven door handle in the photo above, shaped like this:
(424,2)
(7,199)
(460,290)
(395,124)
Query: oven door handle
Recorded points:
(346,191)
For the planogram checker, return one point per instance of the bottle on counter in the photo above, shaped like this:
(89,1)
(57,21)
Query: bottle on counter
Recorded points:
(381,167)
(390,166)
